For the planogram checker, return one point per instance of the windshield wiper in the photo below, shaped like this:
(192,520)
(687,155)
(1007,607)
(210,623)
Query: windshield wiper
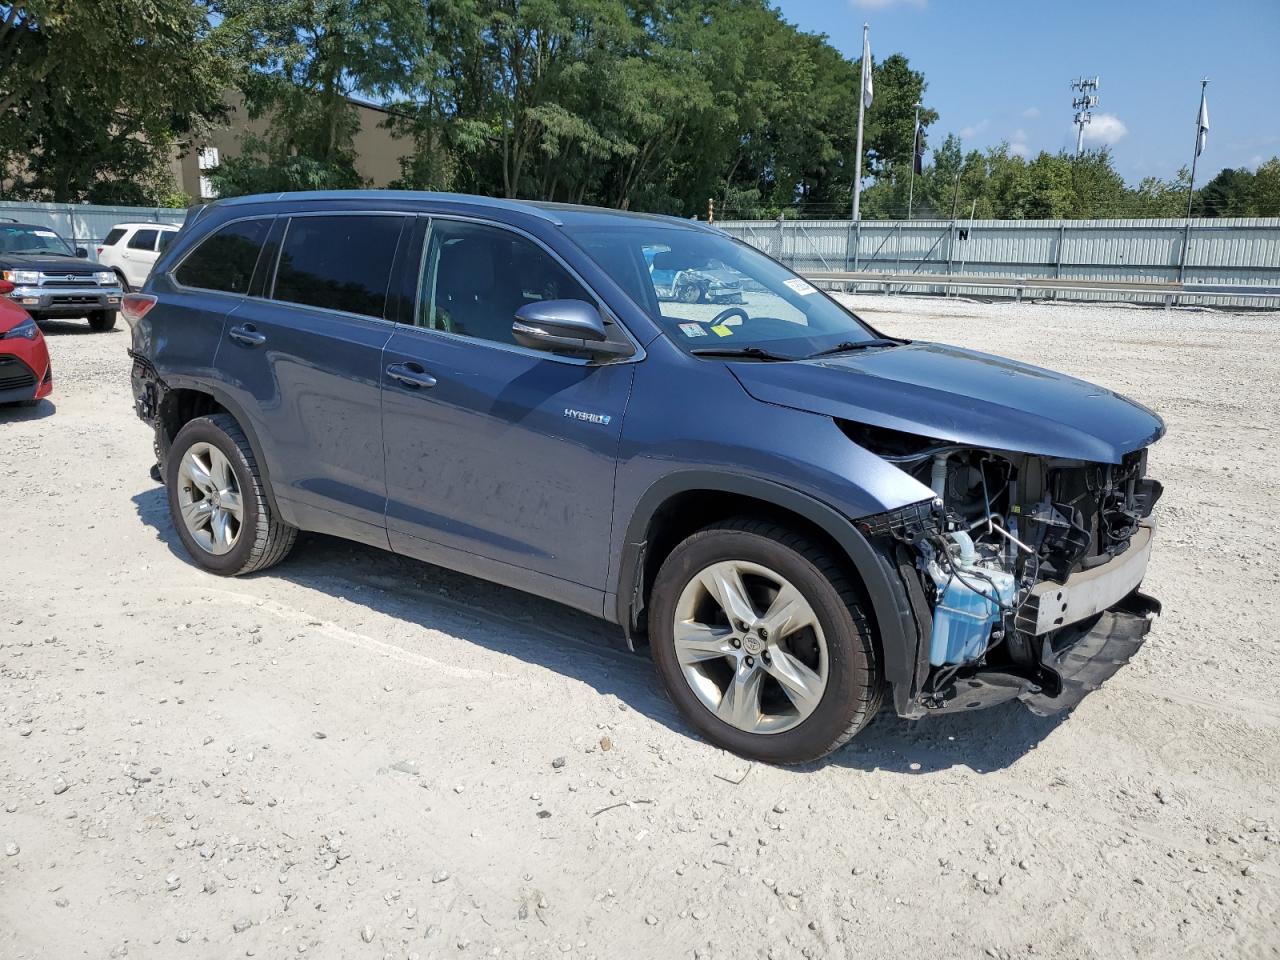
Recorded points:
(750,353)
(851,345)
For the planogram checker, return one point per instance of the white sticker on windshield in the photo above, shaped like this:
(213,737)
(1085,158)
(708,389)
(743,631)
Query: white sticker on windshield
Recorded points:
(693,330)
(45,233)
(802,287)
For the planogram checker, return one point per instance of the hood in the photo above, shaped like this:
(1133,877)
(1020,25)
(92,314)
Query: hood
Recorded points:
(961,396)
(49,263)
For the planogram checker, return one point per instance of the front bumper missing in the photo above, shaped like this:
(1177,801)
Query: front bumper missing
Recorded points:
(1073,661)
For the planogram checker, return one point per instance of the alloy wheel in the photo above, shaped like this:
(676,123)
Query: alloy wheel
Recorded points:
(209,498)
(750,647)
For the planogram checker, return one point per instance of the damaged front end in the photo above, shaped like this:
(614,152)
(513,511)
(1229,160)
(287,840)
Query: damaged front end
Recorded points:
(1022,572)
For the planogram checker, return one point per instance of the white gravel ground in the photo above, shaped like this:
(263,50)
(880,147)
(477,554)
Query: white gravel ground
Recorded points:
(354,755)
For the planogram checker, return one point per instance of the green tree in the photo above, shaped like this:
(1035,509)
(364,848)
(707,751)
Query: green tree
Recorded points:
(1266,189)
(299,62)
(1229,194)
(95,95)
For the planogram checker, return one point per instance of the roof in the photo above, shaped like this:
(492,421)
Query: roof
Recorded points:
(146,223)
(560,214)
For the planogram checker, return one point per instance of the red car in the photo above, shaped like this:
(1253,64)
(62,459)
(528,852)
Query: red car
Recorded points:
(25,374)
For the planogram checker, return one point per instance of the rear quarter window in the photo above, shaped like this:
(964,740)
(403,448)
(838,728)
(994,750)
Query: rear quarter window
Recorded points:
(113,237)
(225,259)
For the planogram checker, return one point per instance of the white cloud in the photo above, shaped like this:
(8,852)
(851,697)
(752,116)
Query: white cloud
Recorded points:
(1019,135)
(1031,113)
(968,133)
(1106,129)
(885,4)
(1019,149)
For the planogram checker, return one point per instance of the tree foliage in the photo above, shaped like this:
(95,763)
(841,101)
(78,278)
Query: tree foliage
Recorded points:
(94,95)
(648,104)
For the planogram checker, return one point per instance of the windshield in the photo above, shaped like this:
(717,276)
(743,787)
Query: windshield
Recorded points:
(708,290)
(19,238)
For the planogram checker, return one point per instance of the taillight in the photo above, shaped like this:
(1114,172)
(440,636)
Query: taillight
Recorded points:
(100,249)
(135,306)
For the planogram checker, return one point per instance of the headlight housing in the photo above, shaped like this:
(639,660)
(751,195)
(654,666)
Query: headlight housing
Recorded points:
(26,330)
(22,277)
(105,276)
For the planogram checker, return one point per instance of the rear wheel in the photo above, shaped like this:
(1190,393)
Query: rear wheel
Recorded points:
(761,640)
(218,500)
(100,321)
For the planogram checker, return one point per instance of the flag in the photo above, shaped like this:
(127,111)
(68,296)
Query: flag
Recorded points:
(1202,125)
(866,69)
(918,161)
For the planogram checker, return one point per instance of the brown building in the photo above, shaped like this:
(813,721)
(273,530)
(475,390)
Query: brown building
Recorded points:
(378,153)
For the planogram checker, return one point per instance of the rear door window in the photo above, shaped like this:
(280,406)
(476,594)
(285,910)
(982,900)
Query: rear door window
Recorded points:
(340,262)
(224,260)
(143,240)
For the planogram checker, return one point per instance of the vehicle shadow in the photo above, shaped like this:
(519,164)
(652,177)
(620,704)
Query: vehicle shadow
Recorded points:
(574,644)
(65,327)
(13,412)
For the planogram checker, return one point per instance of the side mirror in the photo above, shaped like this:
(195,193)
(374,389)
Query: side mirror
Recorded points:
(569,325)
(82,253)
(6,288)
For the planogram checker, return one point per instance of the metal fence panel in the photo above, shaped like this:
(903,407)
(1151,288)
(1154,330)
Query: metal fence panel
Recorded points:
(86,224)
(1229,250)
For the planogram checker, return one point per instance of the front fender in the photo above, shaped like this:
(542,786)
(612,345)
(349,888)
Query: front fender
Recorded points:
(899,632)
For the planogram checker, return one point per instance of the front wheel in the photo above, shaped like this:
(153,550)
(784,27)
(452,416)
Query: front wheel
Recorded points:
(218,500)
(762,643)
(100,321)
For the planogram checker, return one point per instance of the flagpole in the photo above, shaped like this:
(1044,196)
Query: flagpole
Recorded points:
(1191,190)
(915,145)
(862,101)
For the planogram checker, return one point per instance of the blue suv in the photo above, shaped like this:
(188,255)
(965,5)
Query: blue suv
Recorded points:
(795,513)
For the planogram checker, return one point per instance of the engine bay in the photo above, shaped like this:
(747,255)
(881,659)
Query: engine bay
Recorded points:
(999,524)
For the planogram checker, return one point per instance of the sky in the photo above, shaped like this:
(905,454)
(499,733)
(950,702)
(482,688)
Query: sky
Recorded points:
(1001,70)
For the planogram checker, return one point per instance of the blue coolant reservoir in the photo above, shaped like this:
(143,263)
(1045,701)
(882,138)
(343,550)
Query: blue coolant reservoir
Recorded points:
(964,616)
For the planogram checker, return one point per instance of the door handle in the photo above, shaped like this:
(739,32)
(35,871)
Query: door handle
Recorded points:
(411,375)
(247,335)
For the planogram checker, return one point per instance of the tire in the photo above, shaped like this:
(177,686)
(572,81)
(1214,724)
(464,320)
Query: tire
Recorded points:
(100,321)
(261,539)
(852,689)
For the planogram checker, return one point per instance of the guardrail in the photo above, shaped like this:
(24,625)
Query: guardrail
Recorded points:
(1169,293)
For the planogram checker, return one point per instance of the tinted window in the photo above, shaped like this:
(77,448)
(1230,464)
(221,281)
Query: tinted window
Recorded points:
(475,278)
(225,259)
(166,238)
(143,240)
(113,236)
(339,263)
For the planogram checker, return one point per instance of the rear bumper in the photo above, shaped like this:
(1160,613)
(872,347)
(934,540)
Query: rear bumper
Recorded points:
(66,301)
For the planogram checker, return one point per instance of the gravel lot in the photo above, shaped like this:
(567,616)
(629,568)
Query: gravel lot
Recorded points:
(354,755)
